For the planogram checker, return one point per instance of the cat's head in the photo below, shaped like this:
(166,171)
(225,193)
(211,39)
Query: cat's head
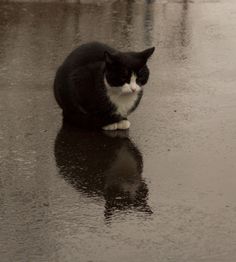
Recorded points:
(127,72)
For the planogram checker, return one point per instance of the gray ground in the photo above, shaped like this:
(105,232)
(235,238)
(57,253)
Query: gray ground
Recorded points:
(67,196)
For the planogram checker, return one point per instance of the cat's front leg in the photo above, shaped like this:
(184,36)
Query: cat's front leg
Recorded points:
(123,124)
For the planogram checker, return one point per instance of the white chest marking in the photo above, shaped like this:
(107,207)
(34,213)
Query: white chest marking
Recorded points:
(123,102)
(124,97)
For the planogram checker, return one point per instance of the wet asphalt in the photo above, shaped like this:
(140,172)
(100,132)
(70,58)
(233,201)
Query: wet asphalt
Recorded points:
(165,190)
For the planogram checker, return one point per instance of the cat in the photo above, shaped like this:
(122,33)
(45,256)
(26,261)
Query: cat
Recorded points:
(104,164)
(98,86)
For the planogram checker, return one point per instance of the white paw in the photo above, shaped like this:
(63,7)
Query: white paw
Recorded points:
(111,127)
(124,124)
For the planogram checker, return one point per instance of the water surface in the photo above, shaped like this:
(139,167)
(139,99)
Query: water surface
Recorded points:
(165,190)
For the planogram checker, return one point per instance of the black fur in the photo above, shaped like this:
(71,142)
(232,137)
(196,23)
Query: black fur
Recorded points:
(79,86)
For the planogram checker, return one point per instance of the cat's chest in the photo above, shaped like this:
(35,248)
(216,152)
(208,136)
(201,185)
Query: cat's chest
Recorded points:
(123,103)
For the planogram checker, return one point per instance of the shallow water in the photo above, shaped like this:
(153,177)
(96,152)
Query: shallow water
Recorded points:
(165,190)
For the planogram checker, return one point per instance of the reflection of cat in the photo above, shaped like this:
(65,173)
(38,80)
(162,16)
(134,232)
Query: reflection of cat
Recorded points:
(102,164)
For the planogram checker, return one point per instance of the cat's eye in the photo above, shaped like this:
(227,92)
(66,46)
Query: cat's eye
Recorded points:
(142,76)
(123,78)
(141,71)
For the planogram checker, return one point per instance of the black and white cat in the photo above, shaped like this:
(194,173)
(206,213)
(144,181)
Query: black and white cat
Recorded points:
(98,86)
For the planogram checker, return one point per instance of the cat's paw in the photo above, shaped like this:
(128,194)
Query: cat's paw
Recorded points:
(111,127)
(123,124)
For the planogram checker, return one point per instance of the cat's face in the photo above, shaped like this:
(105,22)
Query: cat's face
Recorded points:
(127,72)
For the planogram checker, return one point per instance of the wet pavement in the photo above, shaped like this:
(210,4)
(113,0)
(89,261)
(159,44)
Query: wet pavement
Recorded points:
(165,190)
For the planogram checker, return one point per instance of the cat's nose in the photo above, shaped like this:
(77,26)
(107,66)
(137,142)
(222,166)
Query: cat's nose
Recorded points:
(133,89)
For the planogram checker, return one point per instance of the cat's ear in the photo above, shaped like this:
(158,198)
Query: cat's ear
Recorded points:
(109,58)
(147,53)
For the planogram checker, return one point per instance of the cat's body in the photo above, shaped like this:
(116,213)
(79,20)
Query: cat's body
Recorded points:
(97,86)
